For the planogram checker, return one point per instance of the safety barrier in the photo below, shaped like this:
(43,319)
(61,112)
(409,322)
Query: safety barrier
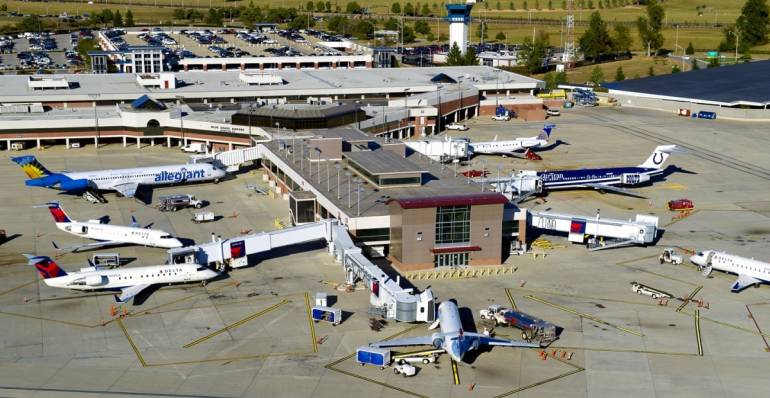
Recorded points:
(459,273)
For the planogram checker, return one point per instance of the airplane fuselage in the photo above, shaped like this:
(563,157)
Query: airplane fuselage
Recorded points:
(144,176)
(562,179)
(733,264)
(119,233)
(112,279)
(454,343)
(506,147)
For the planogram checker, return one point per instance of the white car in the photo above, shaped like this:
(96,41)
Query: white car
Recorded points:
(552,112)
(426,359)
(457,126)
(406,369)
(501,118)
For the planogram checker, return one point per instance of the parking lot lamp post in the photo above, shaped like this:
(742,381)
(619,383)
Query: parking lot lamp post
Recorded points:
(95,97)
(339,168)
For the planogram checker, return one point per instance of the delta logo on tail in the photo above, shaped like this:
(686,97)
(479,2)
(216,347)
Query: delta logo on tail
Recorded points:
(47,267)
(31,167)
(57,212)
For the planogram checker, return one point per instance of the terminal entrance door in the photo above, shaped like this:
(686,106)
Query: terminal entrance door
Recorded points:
(450,260)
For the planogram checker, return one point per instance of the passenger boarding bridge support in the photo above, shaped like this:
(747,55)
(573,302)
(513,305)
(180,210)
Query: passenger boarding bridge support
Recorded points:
(386,294)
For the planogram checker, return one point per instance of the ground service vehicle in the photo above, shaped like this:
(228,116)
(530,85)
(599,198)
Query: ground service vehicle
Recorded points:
(195,147)
(176,202)
(327,314)
(552,112)
(641,289)
(405,369)
(532,328)
(670,256)
(680,205)
(366,355)
(203,216)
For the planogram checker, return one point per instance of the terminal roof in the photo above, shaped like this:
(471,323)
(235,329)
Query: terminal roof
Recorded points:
(452,200)
(382,162)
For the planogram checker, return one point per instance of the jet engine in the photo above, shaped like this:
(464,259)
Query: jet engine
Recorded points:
(633,178)
(438,340)
(75,185)
(96,280)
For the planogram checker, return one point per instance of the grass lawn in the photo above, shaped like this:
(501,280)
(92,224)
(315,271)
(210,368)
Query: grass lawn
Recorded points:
(632,68)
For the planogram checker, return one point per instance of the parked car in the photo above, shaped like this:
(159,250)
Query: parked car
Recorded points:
(552,112)
(457,126)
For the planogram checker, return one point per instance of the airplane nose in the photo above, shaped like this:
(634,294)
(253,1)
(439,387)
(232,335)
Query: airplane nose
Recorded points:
(696,259)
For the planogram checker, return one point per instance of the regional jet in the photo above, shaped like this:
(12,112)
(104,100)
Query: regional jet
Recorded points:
(510,147)
(452,339)
(128,281)
(124,181)
(110,235)
(750,272)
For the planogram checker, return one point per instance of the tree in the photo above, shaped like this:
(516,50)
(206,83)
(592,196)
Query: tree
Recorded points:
(597,76)
(694,65)
(422,27)
(619,75)
(338,24)
(129,19)
(409,9)
(713,63)
(320,6)
(328,6)
(117,19)
(31,23)
(353,8)
(407,34)
(755,16)
(214,17)
(690,50)
(560,78)
(425,10)
(500,36)
(511,6)
(470,57)
(675,69)
(179,13)
(481,32)
(363,29)
(194,15)
(309,6)
(621,40)
(525,5)
(649,27)
(392,24)
(650,72)
(534,52)
(454,57)
(596,40)
(549,80)
(302,22)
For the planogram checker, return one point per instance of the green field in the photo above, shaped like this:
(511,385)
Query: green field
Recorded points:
(159,12)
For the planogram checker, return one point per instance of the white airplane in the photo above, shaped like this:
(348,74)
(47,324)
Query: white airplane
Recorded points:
(749,271)
(509,147)
(124,181)
(452,338)
(110,235)
(128,281)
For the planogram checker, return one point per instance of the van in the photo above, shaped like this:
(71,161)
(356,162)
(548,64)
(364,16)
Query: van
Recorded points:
(17,146)
(75,144)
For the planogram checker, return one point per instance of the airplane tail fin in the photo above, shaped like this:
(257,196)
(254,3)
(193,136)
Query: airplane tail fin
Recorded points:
(45,266)
(57,212)
(31,167)
(659,156)
(545,133)
(134,223)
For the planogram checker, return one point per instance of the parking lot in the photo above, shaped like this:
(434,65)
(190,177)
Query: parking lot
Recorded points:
(248,334)
(23,45)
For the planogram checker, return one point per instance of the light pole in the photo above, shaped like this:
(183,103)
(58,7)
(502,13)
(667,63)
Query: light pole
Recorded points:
(483,177)
(180,101)
(358,196)
(328,180)
(339,168)
(318,166)
(95,97)
(348,174)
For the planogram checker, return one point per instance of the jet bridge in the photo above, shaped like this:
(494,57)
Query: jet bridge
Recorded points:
(601,233)
(387,295)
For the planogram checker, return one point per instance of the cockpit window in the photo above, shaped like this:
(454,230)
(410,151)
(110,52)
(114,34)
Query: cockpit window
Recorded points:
(165,236)
(700,253)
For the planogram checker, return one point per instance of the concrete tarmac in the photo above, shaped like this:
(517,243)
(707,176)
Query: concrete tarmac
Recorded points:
(248,334)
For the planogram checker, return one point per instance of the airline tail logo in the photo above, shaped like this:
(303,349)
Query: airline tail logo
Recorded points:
(31,167)
(57,212)
(47,267)
(659,156)
(545,133)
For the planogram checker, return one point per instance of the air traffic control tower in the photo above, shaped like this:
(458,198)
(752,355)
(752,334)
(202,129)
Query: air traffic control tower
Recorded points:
(459,17)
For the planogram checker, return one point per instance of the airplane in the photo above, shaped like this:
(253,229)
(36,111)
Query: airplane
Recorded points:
(509,147)
(452,339)
(109,235)
(749,271)
(124,181)
(602,179)
(128,281)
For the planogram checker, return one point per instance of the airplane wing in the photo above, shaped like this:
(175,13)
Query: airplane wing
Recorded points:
(88,246)
(129,292)
(422,340)
(127,189)
(610,188)
(743,282)
(484,339)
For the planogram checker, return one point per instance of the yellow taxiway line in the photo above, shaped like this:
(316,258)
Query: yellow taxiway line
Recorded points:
(689,298)
(510,299)
(236,324)
(582,315)
(131,342)
(310,322)
(697,333)
(455,373)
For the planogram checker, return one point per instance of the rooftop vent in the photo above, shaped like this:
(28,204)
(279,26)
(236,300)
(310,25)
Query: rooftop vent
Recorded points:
(261,78)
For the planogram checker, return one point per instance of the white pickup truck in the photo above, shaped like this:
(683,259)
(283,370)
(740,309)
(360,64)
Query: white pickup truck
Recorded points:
(641,289)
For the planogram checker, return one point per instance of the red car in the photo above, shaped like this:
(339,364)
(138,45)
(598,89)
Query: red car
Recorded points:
(475,173)
(680,204)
